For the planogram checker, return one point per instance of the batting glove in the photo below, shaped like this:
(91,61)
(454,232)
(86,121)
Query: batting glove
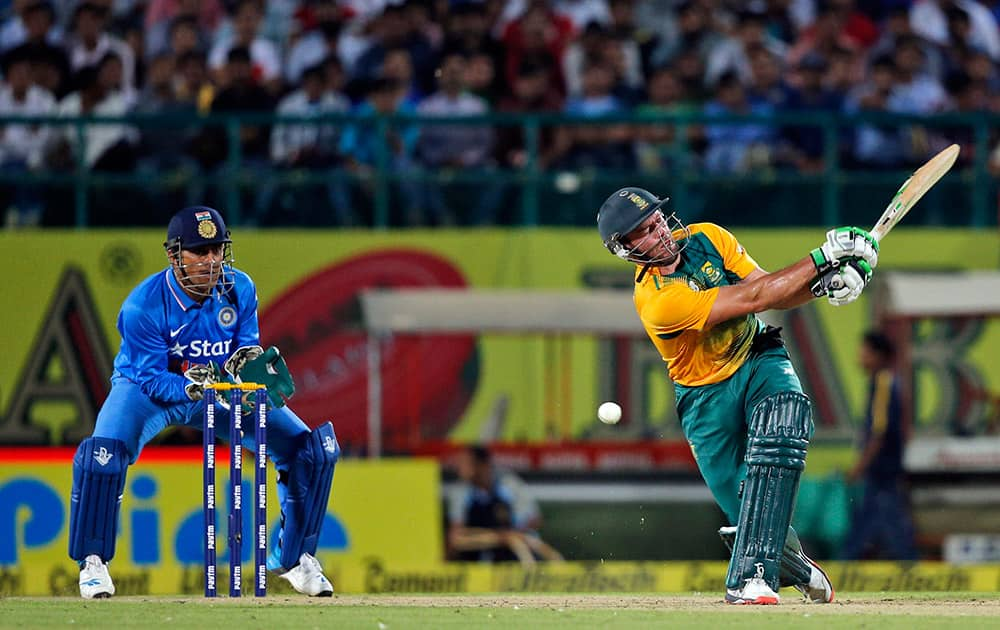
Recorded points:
(843,243)
(845,283)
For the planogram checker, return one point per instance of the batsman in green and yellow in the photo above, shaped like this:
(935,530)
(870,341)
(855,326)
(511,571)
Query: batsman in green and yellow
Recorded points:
(740,403)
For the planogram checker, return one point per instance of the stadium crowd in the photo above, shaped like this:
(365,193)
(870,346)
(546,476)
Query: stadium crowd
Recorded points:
(441,58)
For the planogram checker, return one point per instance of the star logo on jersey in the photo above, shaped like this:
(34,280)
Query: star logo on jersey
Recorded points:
(178,349)
(789,370)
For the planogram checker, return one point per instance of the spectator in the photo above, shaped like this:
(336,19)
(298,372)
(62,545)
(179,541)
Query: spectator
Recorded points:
(33,20)
(492,517)
(836,26)
(397,65)
(804,143)
(45,42)
(422,24)
(967,96)
(185,36)
(110,71)
(731,55)
(695,35)
(359,146)
(317,43)
(598,146)
(311,146)
(881,527)
(108,147)
(842,74)
(467,29)
(22,146)
(131,32)
(876,146)
(918,91)
(897,25)
(482,78)
(582,12)
(538,33)
(589,45)
(191,82)
(737,147)
(638,39)
(767,77)
(449,149)
(160,15)
(391,31)
(929,20)
(242,94)
(629,83)
(264,57)
(530,93)
(657,147)
(163,149)
(981,68)
(90,43)
(49,67)
(690,69)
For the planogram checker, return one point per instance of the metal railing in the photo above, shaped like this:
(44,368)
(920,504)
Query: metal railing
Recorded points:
(556,195)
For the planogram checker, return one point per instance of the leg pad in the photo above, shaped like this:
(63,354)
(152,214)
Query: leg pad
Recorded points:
(310,478)
(779,430)
(98,482)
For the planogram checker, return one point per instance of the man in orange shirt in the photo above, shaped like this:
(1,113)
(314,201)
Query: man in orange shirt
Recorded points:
(741,406)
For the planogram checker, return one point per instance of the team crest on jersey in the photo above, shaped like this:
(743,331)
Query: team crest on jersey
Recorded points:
(711,272)
(227,316)
(207,229)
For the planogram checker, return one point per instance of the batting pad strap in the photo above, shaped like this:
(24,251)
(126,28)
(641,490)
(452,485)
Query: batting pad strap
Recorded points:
(310,478)
(784,452)
(99,468)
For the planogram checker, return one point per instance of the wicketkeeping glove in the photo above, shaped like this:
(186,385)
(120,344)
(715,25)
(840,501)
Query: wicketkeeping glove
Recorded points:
(270,370)
(200,376)
(844,243)
(234,364)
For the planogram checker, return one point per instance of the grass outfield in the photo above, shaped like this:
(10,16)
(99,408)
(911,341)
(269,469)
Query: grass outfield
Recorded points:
(886,611)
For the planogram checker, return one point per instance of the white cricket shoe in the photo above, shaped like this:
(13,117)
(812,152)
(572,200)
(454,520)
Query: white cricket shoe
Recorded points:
(819,590)
(755,591)
(307,577)
(95,581)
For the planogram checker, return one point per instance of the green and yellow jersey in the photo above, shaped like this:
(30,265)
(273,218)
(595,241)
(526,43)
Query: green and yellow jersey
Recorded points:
(674,308)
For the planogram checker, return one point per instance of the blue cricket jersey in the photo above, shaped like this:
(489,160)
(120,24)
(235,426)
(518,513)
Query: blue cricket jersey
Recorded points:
(884,419)
(164,332)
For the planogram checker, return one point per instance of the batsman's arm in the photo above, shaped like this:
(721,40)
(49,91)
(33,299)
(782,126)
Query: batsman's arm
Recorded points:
(764,291)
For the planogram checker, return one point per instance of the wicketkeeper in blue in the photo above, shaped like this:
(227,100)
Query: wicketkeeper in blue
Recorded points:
(177,327)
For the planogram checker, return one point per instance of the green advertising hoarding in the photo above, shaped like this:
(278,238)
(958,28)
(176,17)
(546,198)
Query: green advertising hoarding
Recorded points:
(64,288)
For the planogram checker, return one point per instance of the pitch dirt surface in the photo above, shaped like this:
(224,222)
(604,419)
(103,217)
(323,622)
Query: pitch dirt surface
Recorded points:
(958,604)
(886,611)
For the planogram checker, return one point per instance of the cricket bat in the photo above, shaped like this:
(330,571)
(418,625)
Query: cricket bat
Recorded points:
(913,189)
